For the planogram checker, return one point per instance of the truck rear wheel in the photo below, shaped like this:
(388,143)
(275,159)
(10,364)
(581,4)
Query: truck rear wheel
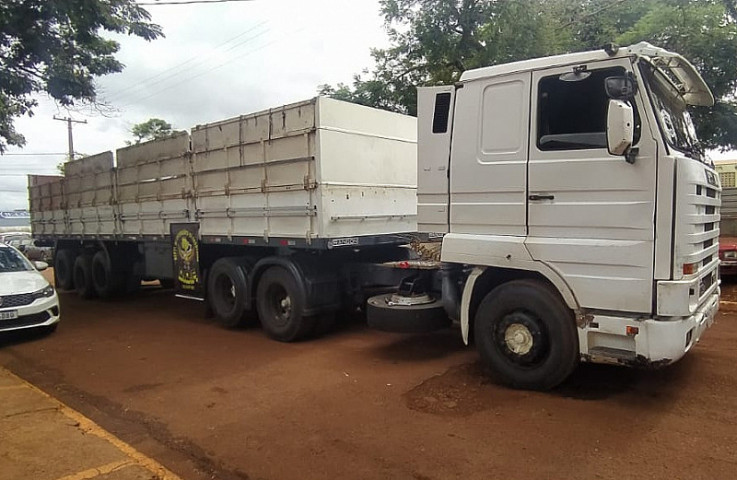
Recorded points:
(280,305)
(227,289)
(64,269)
(83,283)
(107,281)
(526,335)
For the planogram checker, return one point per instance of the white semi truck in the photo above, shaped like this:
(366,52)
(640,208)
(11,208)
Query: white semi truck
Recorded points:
(578,217)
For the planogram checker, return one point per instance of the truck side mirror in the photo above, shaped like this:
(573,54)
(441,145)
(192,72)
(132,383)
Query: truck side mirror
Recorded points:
(621,88)
(620,127)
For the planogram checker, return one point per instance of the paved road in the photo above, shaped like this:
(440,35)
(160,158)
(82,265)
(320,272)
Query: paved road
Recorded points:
(212,403)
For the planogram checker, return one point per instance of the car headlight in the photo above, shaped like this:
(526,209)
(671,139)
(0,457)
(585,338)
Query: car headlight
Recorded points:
(47,291)
(730,254)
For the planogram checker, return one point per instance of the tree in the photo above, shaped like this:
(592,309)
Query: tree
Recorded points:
(151,129)
(57,47)
(434,41)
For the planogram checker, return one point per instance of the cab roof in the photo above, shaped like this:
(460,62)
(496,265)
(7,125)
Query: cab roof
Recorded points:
(686,78)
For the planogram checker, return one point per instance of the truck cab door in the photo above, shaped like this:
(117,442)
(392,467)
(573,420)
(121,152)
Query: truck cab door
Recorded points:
(590,213)
(434,123)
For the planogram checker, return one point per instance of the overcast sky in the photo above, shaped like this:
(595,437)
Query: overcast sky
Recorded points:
(217,61)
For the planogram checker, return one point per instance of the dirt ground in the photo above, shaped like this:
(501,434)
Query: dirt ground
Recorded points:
(213,403)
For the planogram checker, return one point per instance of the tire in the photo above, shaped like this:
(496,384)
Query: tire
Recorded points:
(423,318)
(227,291)
(64,269)
(83,283)
(526,335)
(280,305)
(107,281)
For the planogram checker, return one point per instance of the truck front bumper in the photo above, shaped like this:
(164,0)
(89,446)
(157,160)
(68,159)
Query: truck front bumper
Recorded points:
(646,342)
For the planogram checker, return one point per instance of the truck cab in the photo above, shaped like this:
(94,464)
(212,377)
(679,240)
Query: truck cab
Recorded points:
(578,210)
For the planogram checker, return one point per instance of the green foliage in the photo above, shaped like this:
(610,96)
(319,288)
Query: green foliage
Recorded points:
(434,41)
(151,129)
(57,47)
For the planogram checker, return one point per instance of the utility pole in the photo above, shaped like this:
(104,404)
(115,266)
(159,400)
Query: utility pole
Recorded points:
(69,121)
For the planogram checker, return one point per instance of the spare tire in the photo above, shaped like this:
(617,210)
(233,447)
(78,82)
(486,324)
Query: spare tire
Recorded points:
(64,269)
(422,318)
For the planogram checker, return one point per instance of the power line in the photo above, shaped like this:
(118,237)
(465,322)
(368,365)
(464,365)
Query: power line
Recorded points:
(229,62)
(134,95)
(31,154)
(57,173)
(139,84)
(190,2)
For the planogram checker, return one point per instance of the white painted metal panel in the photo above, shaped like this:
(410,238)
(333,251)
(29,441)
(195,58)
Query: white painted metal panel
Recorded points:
(433,157)
(44,195)
(89,195)
(314,169)
(488,192)
(254,175)
(154,185)
(366,170)
(598,228)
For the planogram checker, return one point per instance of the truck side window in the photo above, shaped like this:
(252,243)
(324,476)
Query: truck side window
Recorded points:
(441,113)
(572,113)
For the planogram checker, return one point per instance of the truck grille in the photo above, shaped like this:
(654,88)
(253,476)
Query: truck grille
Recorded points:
(700,235)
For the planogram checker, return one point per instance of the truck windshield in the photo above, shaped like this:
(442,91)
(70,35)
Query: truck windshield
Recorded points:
(672,112)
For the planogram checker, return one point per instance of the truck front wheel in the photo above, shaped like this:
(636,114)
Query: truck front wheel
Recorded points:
(526,335)
(280,306)
(227,288)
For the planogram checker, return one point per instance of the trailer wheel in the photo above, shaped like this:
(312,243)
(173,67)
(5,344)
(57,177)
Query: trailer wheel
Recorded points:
(106,280)
(64,269)
(381,314)
(83,276)
(227,288)
(280,306)
(526,335)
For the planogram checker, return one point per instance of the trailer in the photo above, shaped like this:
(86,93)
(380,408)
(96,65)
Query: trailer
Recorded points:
(286,213)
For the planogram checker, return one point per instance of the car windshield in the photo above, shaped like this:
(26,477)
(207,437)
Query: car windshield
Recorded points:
(672,112)
(12,261)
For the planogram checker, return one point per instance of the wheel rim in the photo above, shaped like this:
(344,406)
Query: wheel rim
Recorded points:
(281,304)
(226,292)
(522,338)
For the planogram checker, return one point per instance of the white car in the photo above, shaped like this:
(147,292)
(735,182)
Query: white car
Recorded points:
(27,300)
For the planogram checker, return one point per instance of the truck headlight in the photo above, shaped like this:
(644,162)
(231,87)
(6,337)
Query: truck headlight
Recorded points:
(730,254)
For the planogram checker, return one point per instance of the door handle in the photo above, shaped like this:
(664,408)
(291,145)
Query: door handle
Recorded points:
(541,197)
